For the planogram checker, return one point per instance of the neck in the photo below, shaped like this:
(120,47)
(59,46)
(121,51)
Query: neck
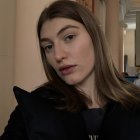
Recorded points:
(88,87)
(92,95)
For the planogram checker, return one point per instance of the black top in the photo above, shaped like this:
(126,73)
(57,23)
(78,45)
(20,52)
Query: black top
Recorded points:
(93,120)
(36,118)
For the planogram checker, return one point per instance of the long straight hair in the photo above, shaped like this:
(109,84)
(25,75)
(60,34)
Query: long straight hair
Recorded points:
(110,85)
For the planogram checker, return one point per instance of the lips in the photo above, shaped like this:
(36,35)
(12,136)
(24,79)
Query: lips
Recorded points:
(66,70)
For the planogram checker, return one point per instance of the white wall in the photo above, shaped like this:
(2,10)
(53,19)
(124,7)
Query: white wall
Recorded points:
(20,62)
(28,69)
(7,38)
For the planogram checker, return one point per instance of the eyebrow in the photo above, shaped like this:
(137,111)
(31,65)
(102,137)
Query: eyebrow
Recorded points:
(65,28)
(60,32)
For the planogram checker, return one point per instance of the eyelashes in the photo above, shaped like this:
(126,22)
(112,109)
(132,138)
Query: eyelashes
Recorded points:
(49,45)
(69,37)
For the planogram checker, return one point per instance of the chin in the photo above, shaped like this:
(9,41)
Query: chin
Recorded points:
(71,82)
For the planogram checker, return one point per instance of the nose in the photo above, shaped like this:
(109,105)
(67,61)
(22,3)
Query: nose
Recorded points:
(60,53)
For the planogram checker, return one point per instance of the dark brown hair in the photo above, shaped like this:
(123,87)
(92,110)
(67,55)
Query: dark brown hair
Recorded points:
(109,83)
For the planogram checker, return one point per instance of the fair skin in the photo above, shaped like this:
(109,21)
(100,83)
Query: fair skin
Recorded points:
(69,50)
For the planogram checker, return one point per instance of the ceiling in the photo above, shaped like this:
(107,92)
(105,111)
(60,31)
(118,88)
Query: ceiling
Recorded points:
(128,10)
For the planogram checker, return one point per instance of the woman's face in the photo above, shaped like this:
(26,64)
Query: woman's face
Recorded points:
(69,49)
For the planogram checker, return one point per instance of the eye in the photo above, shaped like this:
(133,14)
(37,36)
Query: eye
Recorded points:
(47,47)
(69,37)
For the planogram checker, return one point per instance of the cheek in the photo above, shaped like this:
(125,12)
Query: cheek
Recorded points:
(89,56)
(87,52)
(51,61)
(89,60)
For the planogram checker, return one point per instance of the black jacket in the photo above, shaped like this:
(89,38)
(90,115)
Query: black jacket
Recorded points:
(36,118)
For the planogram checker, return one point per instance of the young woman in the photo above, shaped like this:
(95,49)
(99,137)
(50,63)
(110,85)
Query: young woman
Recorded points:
(85,97)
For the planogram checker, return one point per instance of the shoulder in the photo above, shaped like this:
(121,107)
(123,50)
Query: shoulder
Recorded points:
(127,121)
(47,92)
(40,101)
(40,97)
(117,110)
(41,92)
(15,128)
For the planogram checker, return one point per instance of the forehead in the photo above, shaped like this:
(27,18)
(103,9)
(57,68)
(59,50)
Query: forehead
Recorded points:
(54,25)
